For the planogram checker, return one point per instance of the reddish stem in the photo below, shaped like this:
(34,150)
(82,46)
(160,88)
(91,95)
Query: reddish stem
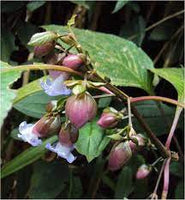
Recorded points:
(156,98)
(173,127)
(166,179)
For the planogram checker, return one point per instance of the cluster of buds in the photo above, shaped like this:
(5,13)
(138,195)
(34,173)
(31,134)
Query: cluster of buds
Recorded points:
(80,107)
(122,152)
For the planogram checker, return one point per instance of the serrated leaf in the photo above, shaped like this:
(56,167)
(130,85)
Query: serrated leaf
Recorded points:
(119,59)
(175,76)
(41,38)
(34,5)
(119,5)
(48,180)
(34,105)
(92,140)
(7,94)
(25,158)
(124,184)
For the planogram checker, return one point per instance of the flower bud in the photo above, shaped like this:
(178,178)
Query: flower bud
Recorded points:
(43,50)
(119,156)
(80,109)
(47,125)
(143,171)
(51,105)
(139,139)
(72,61)
(68,135)
(109,119)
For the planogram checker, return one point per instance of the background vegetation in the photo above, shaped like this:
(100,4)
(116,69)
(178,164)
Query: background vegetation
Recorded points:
(132,20)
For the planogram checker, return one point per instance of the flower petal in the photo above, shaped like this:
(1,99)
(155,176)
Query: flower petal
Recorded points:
(55,87)
(62,151)
(26,134)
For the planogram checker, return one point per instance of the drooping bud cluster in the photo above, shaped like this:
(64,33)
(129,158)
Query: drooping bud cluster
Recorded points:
(47,125)
(143,171)
(44,127)
(80,109)
(122,153)
(109,118)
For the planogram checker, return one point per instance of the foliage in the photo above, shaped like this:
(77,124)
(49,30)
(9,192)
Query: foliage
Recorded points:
(120,51)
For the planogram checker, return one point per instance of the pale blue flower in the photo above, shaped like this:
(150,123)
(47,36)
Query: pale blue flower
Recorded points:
(62,151)
(55,87)
(27,135)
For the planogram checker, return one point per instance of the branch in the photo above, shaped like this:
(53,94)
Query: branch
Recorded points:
(157,98)
(41,67)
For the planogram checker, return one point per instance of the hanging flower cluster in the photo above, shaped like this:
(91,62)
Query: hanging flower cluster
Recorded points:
(78,105)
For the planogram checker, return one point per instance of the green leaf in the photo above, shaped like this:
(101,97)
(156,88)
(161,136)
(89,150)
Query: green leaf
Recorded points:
(7,94)
(124,184)
(158,122)
(175,76)
(92,140)
(119,59)
(41,38)
(25,158)
(48,180)
(27,90)
(7,44)
(34,105)
(35,5)
(119,5)
(104,102)
(179,190)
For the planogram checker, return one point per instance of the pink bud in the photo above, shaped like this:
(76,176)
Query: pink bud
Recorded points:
(72,61)
(80,109)
(47,125)
(43,50)
(139,139)
(68,135)
(108,120)
(143,171)
(119,156)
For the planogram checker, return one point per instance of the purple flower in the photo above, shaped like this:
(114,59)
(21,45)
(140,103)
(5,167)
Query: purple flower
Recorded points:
(27,135)
(55,87)
(62,151)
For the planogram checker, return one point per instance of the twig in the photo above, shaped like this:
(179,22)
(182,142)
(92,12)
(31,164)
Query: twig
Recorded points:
(103,96)
(154,194)
(166,179)
(157,98)
(173,127)
(159,22)
(41,67)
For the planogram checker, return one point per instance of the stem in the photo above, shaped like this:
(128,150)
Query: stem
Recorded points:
(157,98)
(154,194)
(159,22)
(166,179)
(173,127)
(70,183)
(103,96)
(129,113)
(41,67)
